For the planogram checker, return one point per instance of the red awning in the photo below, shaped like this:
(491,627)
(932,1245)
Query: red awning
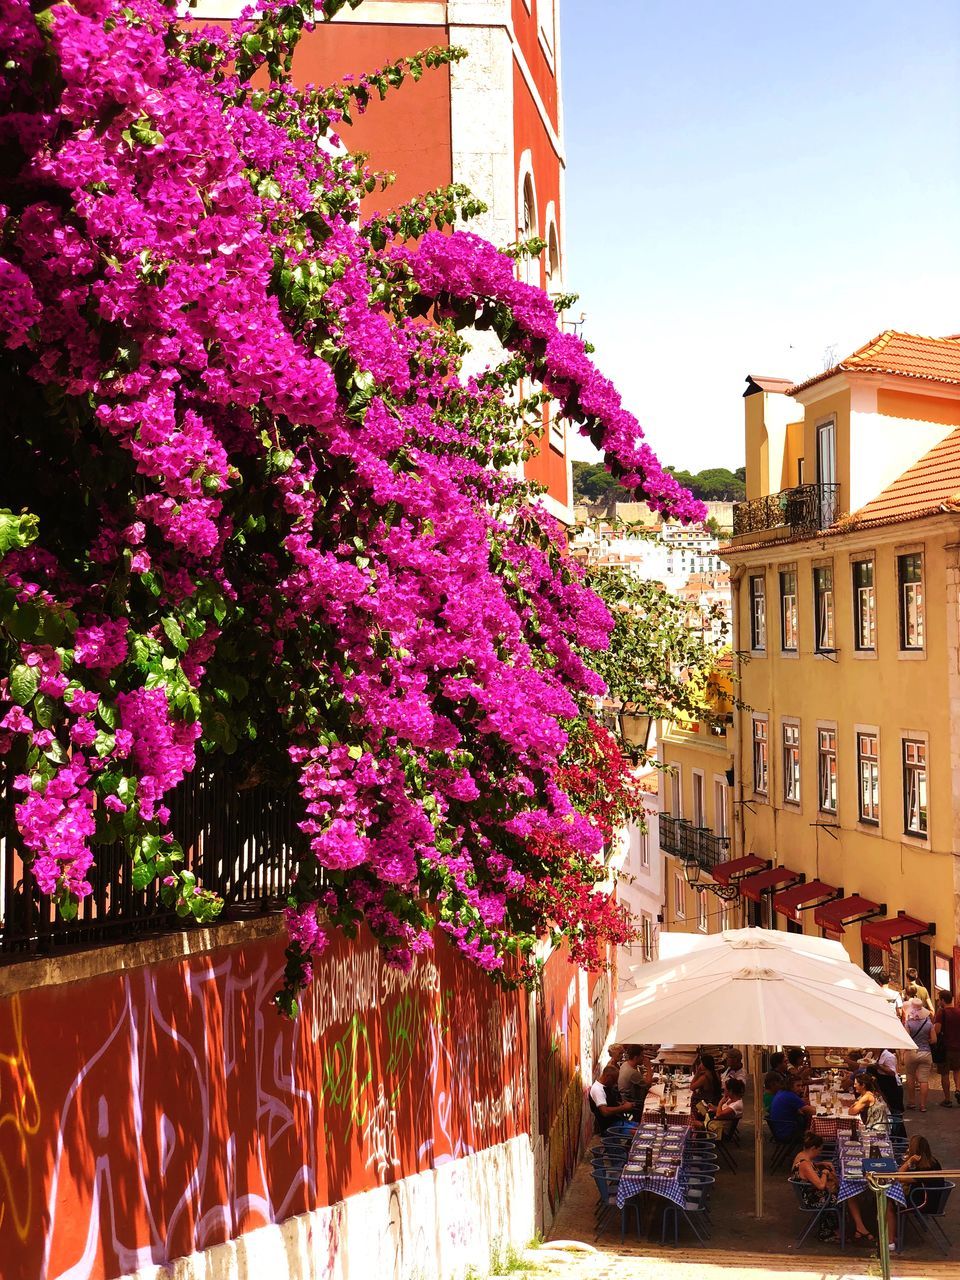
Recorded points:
(724,872)
(753,886)
(834,915)
(787,901)
(883,933)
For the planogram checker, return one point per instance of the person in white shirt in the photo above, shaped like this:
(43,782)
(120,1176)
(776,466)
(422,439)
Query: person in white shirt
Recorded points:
(606,1113)
(887,1062)
(735,1070)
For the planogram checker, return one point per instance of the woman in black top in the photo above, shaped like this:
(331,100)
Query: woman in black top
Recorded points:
(706,1084)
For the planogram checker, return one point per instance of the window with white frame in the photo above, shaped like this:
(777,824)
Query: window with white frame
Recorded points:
(646,928)
(868,776)
(761,759)
(791,762)
(679,897)
(914,787)
(702,912)
(823,608)
(864,606)
(789,615)
(827,770)
(758,613)
(720,815)
(676,792)
(698,805)
(910,584)
(643,847)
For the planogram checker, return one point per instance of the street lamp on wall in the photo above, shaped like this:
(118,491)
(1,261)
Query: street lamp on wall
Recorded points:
(692,872)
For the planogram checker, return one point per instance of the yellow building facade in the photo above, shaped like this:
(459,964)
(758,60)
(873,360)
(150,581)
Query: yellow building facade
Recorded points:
(696,826)
(845,565)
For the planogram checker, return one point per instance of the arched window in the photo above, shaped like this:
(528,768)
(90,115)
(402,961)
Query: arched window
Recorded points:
(528,223)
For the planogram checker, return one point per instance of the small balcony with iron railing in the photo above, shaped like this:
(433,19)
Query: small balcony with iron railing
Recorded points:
(799,512)
(696,844)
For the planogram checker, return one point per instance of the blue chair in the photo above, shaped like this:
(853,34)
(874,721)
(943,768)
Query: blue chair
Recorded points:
(692,1209)
(814,1211)
(608,1201)
(926,1207)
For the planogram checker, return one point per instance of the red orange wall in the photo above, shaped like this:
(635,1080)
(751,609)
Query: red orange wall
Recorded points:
(408,133)
(526,27)
(148,1114)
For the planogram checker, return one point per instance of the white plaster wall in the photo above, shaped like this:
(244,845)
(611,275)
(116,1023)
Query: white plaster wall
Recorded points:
(882,448)
(643,895)
(432,1226)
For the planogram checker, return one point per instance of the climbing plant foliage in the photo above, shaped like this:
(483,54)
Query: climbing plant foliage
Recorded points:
(254,507)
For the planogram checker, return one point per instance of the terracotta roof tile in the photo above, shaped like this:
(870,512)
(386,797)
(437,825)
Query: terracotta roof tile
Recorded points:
(928,486)
(908,355)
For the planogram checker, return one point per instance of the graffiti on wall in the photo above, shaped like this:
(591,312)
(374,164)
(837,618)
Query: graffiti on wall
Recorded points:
(149,1114)
(560,1088)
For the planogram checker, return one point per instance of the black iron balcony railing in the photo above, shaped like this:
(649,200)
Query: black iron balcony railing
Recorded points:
(679,836)
(804,510)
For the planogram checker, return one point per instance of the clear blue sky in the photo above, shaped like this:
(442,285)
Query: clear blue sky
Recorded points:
(751,185)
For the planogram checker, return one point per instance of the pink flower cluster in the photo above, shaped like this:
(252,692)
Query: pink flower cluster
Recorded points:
(294,531)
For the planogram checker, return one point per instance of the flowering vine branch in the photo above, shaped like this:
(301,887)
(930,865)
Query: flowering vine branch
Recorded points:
(254,509)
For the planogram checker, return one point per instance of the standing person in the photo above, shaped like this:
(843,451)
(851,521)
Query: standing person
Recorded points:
(923,995)
(893,994)
(920,1029)
(947,1023)
(888,1079)
(938,1052)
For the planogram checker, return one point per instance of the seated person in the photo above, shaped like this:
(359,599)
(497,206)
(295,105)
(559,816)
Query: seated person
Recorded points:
(869,1104)
(798,1067)
(778,1063)
(706,1085)
(606,1113)
(773,1082)
(789,1111)
(633,1080)
(728,1110)
(919,1157)
(820,1178)
(734,1070)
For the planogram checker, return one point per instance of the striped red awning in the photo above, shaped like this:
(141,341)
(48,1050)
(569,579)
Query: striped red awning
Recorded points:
(884,933)
(724,872)
(834,915)
(753,886)
(788,901)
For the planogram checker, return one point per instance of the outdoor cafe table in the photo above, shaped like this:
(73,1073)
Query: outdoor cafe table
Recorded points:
(852,1151)
(664,1177)
(679,1114)
(831,1116)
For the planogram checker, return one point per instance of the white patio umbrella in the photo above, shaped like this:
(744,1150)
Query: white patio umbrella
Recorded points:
(758,987)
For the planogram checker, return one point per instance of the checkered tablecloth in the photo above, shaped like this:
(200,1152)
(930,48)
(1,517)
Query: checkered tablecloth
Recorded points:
(680,1115)
(666,1152)
(856,1150)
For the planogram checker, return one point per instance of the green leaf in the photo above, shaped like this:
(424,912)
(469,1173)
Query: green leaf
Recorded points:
(17,531)
(24,622)
(174,634)
(143,874)
(44,711)
(23,683)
